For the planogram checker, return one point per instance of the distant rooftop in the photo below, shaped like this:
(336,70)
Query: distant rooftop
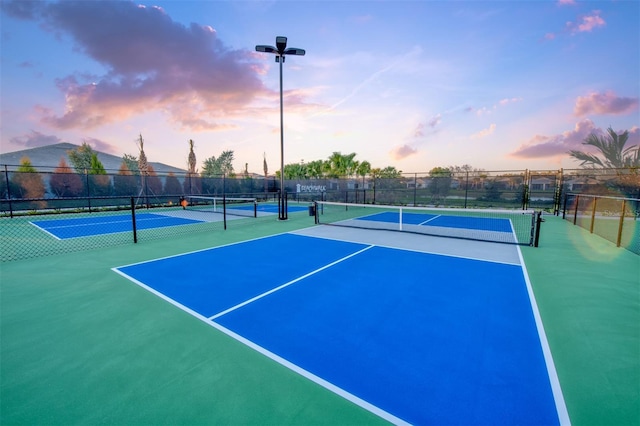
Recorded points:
(48,157)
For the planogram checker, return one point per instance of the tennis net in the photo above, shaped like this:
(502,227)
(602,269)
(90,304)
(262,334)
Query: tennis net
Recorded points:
(503,226)
(235,206)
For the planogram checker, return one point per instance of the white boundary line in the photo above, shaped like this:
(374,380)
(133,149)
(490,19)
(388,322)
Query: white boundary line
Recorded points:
(293,367)
(160,216)
(46,232)
(429,220)
(556,389)
(273,290)
(561,408)
(200,250)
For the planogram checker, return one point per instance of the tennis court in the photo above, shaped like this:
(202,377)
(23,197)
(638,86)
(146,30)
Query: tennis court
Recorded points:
(505,226)
(412,329)
(86,226)
(62,229)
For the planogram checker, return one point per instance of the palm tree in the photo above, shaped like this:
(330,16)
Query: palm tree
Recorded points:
(611,147)
(191,159)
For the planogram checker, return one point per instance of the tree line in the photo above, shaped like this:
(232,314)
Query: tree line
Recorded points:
(87,175)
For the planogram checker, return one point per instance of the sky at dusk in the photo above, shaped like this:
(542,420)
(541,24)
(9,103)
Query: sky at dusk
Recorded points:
(498,85)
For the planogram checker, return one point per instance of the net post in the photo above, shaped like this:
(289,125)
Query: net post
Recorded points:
(224,210)
(133,220)
(575,213)
(620,225)
(315,212)
(255,208)
(539,221)
(400,218)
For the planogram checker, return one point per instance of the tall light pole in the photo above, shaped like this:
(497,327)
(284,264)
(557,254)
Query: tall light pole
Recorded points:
(280,51)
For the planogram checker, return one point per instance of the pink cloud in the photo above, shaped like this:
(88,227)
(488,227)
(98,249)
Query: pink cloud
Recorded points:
(151,61)
(586,23)
(102,146)
(604,103)
(550,146)
(484,132)
(402,152)
(435,120)
(566,2)
(34,139)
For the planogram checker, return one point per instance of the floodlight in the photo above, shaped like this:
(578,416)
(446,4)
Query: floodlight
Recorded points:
(264,48)
(294,51)
(281,44)
(280,51)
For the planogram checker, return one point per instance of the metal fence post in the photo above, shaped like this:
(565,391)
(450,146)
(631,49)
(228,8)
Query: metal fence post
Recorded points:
(6,176)
(133,220)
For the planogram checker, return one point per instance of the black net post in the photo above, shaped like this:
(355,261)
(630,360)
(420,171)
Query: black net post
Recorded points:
(224,210)
(133,220)
(539,221)
(315,212)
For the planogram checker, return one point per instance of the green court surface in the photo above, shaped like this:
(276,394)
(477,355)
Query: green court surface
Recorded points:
(82,345)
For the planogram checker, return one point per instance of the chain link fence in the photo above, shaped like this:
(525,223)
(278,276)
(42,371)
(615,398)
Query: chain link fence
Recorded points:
(28,197)
(612,218)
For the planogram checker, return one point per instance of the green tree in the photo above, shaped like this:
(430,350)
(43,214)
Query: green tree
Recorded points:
(131,161)
(316,169)
(81,157)
(363,169)
(99,181)
(440,183)
(612,152)
(341,165)
(215,167)
(295,171)
(389,172)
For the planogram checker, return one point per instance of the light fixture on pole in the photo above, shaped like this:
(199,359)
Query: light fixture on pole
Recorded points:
(280,51)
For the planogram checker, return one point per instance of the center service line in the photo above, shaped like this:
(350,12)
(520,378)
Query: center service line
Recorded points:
(260,296)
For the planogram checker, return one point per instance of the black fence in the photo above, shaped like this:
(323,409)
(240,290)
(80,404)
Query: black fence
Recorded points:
(25,196)
(70,225)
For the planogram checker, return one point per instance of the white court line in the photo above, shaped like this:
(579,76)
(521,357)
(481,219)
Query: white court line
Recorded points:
(293,367)
(46,232)
(561,407)
(273,290)
(316,379)
(200,250)
(429,220)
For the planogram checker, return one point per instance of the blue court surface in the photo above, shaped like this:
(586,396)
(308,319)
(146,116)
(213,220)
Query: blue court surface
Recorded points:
(100,225)
(414,337)
(273,208)
(461,222)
